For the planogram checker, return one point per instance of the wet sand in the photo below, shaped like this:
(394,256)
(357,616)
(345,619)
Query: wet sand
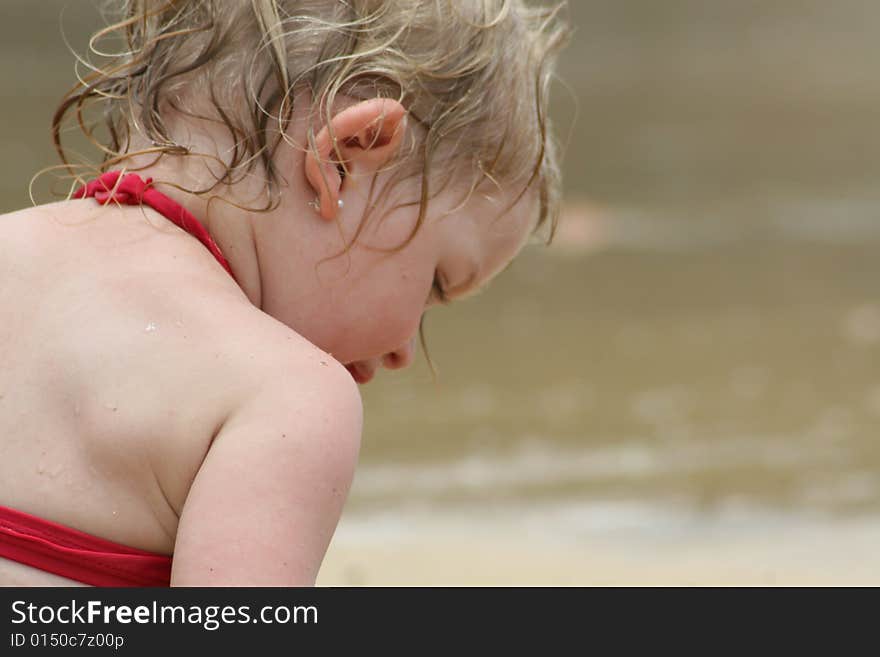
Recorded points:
(446,552)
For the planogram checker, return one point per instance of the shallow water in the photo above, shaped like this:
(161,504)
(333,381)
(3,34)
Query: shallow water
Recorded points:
(702,342)
(706,331)
(745,373)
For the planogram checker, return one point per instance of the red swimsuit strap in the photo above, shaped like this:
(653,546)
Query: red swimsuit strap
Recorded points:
(76,555)
(131,189)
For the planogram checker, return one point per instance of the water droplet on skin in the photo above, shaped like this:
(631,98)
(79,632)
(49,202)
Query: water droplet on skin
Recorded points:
(151,327)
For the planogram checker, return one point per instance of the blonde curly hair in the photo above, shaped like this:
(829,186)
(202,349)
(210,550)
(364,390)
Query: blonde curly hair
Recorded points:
(474,73)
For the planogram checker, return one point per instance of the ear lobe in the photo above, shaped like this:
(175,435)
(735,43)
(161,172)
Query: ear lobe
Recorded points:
(366,136)
(323,176)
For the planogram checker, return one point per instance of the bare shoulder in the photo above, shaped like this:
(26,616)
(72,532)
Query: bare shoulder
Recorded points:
(268,495)
(235,365)
(293,382)
(275,360)
(290,381)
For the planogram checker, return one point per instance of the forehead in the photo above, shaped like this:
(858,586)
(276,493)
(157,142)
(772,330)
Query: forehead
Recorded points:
(513,212)
(509,229)
(502,213)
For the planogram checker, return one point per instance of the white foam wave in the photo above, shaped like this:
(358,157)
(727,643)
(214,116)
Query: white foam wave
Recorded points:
(533,464)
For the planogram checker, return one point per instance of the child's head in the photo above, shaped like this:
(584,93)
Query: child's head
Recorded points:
(395,107)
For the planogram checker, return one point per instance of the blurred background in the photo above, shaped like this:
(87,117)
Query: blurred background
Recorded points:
(685,387)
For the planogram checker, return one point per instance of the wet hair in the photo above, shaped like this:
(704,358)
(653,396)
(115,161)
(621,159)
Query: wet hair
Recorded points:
(474,73)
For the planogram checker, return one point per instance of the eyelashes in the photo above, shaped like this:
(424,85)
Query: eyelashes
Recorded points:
(437,291)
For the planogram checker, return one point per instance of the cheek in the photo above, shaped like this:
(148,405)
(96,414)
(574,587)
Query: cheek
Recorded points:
(372,300)
(397,315)
(378,315)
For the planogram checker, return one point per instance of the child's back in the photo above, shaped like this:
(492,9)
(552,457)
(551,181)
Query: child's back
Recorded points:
(127,350)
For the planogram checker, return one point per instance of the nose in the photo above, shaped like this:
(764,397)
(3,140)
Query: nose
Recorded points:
(400,357)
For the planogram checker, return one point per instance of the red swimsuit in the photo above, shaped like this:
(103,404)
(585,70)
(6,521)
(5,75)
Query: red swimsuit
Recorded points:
(76,555)
(66,551)
(131,189)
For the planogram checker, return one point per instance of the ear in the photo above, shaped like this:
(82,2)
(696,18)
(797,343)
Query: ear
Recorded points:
(366,136)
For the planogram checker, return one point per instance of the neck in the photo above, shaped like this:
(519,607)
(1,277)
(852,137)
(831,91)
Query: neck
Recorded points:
(230,226)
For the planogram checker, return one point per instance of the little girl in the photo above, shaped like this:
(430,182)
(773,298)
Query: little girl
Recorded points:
(287,186)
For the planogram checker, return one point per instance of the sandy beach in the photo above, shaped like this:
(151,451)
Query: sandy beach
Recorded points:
(442,551)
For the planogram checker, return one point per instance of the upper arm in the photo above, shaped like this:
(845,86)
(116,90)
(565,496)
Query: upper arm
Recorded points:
(265,503)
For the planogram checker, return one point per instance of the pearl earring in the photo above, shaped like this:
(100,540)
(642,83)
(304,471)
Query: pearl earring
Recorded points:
(316,204)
